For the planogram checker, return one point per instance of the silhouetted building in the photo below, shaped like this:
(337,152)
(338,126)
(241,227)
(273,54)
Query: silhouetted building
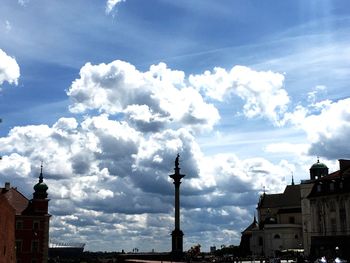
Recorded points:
(247,233)
(31,222)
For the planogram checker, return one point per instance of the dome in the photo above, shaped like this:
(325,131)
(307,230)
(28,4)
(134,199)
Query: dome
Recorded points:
(319,165)
(318,170)
(40,187)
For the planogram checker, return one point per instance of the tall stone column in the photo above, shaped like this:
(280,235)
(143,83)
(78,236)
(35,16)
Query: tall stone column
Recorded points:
(177,234)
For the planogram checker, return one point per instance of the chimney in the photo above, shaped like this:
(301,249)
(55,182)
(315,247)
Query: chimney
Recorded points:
(344,164)
(7,186)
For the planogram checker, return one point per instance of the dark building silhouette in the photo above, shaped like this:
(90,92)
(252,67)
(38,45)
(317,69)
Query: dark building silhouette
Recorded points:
(31,224)
(177,234)
(244,246)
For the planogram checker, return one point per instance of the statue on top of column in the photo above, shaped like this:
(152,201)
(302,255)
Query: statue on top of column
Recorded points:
(177,161)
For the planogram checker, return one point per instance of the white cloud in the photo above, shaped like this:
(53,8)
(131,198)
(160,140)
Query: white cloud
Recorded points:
(102,168)
(312,95)
(111,4)
(329,130)
(9,69)
(112,170)
(150,99)
(326,124)
(15,165)
(262,91)
(8,26)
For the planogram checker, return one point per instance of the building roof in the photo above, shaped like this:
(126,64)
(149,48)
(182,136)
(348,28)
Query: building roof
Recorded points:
(18,201)
(289,198)
(319,165)
(252,226)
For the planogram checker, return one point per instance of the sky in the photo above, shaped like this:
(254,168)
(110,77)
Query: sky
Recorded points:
(106,93)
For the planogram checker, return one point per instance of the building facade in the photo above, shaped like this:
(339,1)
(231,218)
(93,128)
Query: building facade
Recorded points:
(280,223)
(7,231)
(31,222)
(313,217)
(329,199)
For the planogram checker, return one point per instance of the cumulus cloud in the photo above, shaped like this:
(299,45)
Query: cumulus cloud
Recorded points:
(262,91)
(109,172)
(328,130)
(111,4)
(103,167)
(326,124)
(9,69)
(149,99)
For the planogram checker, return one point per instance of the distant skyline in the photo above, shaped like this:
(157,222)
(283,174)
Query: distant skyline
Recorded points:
(106,93)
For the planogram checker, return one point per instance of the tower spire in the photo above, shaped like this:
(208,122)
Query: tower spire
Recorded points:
(292,179)
(40,189)
(41,177)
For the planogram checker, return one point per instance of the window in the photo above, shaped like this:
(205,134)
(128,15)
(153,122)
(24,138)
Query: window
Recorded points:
(36,225)
(4,250)
(331,187)
(291,220)
(19,224)
(333,225)
(319,188)
(296,237)
(277,236)
(18,246)
(342,216)
(35,246)
(261,241)
(320,216)
(332,206)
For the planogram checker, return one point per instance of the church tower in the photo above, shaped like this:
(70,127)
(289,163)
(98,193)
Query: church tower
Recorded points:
(41,219)
(318,170)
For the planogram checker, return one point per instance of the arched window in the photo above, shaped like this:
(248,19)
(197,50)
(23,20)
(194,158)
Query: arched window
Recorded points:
(277,236)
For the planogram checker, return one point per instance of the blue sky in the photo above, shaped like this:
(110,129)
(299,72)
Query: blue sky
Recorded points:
(106,93)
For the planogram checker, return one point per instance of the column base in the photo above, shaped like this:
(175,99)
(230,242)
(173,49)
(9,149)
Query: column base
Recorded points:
(177,243)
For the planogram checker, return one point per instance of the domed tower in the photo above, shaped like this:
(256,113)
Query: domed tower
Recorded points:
(40,188)
(318,170)
(39,206)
